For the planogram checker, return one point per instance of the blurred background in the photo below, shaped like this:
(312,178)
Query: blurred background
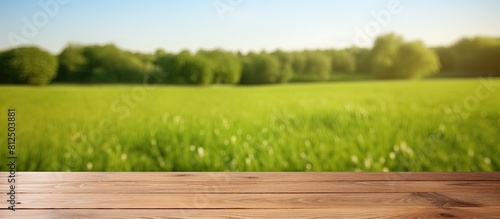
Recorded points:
(237,85)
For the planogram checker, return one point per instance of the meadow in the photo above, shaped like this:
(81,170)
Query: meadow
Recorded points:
(427,125)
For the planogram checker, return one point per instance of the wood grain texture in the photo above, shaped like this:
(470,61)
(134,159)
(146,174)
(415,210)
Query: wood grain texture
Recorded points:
(261,201)
(243,187)
(348,212)
(254,195)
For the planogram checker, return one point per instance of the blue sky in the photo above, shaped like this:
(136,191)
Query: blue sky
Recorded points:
(145,25)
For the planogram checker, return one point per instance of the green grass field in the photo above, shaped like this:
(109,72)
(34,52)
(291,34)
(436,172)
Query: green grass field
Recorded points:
(430,125)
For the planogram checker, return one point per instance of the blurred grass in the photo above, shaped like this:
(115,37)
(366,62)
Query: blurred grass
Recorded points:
(351,126)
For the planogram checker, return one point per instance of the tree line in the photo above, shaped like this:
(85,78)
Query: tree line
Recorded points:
(390,58)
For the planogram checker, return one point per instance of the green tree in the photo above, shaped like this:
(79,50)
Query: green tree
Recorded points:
(446,58)
(416,61)
(260,69)
(392,58)
(7,76)
(384,55)
(72,63)
(311,66)
(317,65)
(342,61)
(362,58)
(172,65)
(298,63)
(285,72)
(478,56)
(27,65)
(226,66)
(198,70)
(109,64)
(186,68)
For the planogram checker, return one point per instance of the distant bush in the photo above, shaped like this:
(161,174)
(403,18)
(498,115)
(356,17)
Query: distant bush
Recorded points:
(171,66)
(226,66)
(260,69)
(199,70)
(186,68)
(313,65)
(109,64)
(317,65)
(102,64)
(342,61)
(480,55)
(446,58)
(384,54)
(298,63)
(392,58)
(285,70)
(362,57)
(27,65)
(72,63)
(416,61)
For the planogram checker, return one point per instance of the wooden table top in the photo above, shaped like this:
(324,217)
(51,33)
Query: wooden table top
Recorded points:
(252,195)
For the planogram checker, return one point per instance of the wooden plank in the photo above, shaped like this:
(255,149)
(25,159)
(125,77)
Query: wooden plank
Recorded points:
(242,187)
(255,201)
(347,212)
(42,177)
(255,195)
